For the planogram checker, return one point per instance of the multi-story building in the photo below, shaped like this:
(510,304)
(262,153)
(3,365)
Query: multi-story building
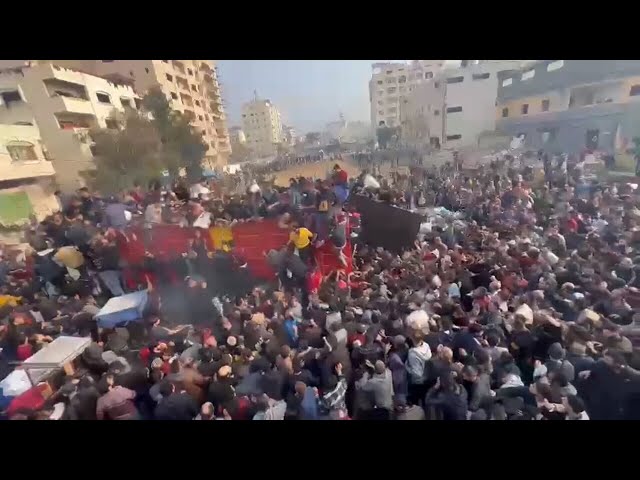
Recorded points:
(64,105)
(262,127)
(288,135)
(237,136)
(26,175)
(455,106)
(572,106)
(391,82)
(191,86)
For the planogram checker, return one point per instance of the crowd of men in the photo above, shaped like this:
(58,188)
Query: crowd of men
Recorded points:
(524,307)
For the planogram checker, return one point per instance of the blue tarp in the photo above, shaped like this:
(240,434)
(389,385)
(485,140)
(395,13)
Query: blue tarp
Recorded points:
(209,173)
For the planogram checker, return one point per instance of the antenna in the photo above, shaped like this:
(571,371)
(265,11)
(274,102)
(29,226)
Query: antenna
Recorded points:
(255,95)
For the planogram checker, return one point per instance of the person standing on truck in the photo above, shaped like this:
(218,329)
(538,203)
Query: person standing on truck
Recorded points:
(301,238)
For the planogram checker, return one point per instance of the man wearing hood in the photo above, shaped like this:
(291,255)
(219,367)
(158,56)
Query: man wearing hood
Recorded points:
(416,360)
(557,362)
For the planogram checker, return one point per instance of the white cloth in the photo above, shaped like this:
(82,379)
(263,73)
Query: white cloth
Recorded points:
(198,189)
(203,221)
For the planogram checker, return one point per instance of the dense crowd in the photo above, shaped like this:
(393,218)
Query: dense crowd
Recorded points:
(520,303)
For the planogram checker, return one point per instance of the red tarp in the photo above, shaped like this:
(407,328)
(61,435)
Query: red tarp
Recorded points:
(250,241)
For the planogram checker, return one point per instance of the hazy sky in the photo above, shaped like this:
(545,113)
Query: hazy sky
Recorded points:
(308,93)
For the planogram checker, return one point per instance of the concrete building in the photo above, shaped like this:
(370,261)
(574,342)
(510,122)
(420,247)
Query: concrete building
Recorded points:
(262,127)
(191,86)
(455,107)
(572,105)
(391,82)
(289,135)
(64,105)
(26,175)
(237,136)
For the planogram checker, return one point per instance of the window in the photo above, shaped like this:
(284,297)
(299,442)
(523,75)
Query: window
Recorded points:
(189,71)
(103,97)
(107,61)
(10,97)
(174,95)
(111,123)
(203,133)
(380,82)
(506,82)
(244,115)
(165,61)
(454,137)
(454,109)
(22,152)
(391,80)
(200,117)
(380,102)
(146,70)
(525,108)
(138,103)
(428,75)
(198,102)
(436,85)
(402,79)
(131,73)
(391,90)
(634,91)
(545,105)
(505,112)
(549,135)
(380,112)
(125,102)
(455,79)
(528,74)
(194,88)
(480,76)
(389,72)
(557,65)
(169,77)
(436,112)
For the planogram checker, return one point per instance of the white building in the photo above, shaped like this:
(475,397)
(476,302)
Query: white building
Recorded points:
(453,108)
(64,105)
(391,82)
(289,135)
(262,126)
(237,136)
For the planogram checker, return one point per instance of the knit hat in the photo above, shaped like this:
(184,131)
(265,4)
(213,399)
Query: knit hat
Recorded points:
(556,352)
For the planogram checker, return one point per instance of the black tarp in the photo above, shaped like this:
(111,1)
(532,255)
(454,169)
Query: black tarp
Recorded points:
(386,226)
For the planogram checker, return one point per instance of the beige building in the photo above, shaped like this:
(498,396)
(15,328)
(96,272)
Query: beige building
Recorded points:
(391,83)
(456,106)
(26,176)
(190,85)
(64,105)
(262,127)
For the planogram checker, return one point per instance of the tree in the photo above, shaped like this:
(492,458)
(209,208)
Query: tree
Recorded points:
(128,154)
(312,137)
(182,146)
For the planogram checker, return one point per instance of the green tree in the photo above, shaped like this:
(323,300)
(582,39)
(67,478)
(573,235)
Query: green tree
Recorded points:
(182,146)
(124,155)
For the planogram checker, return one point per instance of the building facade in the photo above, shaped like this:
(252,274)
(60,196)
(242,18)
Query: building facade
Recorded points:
(262,127)
(572,106)
(289,135)
(237,136)
(191,86)
(64,105)
(26,175)
(390,84)
(455,107)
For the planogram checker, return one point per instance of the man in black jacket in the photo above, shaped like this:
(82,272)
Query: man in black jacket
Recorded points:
(175,405)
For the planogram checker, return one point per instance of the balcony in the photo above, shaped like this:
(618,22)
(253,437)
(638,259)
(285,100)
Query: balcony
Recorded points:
(205,67)
(179,66)
(70,104)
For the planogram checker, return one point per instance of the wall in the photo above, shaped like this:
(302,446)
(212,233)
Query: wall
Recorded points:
(14,170)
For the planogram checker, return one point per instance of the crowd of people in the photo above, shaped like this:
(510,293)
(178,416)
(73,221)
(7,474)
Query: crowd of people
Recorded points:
(520,306)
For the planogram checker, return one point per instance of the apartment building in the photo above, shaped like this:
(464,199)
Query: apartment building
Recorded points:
(288,135)
(391,82)
(262,126)
(572,105)
(26,176)
(237,136)
(191,86)
(64,105)
(455,107)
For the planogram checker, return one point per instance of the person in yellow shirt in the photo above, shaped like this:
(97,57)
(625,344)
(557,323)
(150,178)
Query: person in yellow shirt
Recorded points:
(301,239)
